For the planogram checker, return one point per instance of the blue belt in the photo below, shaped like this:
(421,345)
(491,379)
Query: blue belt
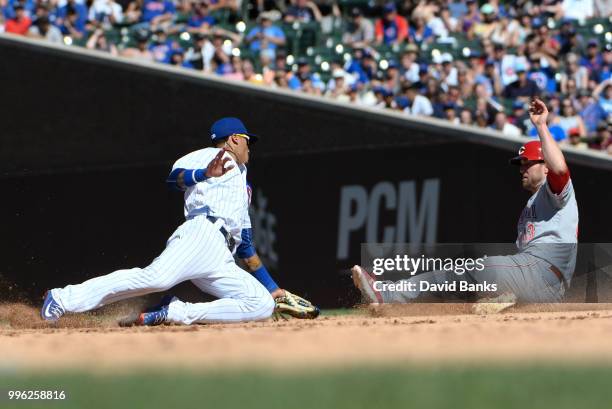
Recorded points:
(229,240)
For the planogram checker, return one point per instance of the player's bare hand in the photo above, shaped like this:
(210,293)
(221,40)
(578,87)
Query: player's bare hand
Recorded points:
(217,167)
(279,292)
(538,112)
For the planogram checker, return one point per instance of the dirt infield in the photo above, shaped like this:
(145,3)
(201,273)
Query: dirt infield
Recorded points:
(419,333)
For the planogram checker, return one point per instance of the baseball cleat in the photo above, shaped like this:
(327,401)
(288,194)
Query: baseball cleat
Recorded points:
(154,317)
(158,314)
(364,281)
(51,309)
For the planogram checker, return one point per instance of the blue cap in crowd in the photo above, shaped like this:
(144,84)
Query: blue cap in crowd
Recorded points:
(593,43)
(225,127)
(402,102)
(389,8)
(537,22)
(176,51)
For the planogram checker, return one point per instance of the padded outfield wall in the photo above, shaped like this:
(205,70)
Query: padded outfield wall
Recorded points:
(87,141)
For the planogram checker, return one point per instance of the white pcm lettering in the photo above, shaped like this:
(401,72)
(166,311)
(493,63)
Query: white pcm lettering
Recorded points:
(416,221)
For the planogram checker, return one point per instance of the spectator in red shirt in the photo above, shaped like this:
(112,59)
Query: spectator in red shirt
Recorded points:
(20,24)
(392,28)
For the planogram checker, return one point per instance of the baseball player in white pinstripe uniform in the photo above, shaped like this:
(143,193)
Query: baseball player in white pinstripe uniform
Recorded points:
(200,250)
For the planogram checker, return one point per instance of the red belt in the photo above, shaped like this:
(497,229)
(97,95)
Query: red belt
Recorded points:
(559,275)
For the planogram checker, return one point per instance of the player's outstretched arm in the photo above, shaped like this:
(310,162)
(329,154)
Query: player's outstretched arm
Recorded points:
(285,302)
(246,252)
(181,179)
(555,161)
(260,272)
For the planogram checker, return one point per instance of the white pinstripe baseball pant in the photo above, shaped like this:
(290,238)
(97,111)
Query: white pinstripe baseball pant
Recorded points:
(196,251)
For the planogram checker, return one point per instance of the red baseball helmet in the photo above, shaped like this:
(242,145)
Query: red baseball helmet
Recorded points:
(530,151)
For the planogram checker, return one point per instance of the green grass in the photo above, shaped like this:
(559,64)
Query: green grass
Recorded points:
(354,388)
(340,312)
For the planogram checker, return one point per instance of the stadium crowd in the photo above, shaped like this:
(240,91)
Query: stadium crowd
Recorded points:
(467,62)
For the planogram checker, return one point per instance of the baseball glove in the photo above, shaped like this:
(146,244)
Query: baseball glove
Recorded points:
(295,306)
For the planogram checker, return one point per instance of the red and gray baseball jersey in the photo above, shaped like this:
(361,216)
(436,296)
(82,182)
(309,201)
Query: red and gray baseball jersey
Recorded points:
(548,226)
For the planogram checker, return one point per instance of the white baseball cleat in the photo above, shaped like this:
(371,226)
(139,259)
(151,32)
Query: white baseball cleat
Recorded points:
(364,281)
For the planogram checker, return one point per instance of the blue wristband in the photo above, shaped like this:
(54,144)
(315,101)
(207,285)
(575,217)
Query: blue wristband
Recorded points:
(262,275)
(193,176)
(171,180)
(200,175)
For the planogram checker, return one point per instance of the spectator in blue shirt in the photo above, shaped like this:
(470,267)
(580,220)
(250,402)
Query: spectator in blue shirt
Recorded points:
(177,58)
(419,32)
(603,94)
(589,110)
(71,25)
(457,9)
(543,77)
(363,66)
(200,17)
(304,74)
(29,6)
(303,11)
(162,47)
(568,38)
(490,79)
(523,87)
(156,12)
(593,59)
(265,38)
(78,20)
(604,72)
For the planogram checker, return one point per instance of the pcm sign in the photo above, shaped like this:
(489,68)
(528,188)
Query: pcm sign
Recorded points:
(416,218)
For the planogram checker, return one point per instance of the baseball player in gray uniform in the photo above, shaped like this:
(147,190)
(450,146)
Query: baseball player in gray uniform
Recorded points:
(542,269)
